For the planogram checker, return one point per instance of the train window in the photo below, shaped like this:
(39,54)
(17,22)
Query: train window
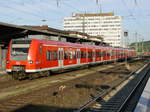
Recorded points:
(98,54)
(48,55)
(74,54)
(121,54)
(117,54)
(78,54)
(71,54)
(54,55)
(89,54)
(51,55)
(19,51)
(108,54)
(113,53)
(83,54)
(93,54)
(66,55)
(103,53)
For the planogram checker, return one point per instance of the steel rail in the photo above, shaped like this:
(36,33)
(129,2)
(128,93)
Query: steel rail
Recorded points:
(130,95)
(104,93)
(123,99)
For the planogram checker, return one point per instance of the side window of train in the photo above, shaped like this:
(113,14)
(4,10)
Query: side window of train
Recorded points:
(83,54)
(51,55)
(115,54)
(93,54)
(74,54)
(71,54)
(78,54)
(90,54)
(108,54)
(54,55)
(65,55)
(48,55)
(98,54)
(112,54)
(105,53)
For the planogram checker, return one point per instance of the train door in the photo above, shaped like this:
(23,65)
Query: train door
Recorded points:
(102,54)
(110,54)
(60,57)
(93,55)
(41,58)
(78,56)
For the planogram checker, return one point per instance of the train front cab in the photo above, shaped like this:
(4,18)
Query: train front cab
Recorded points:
(17,55)
(21,57)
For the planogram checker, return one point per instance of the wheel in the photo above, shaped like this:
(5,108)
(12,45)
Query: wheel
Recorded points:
(30,76)
(15,75)
(47,73)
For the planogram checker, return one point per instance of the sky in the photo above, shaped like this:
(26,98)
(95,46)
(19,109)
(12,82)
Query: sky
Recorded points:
(135,13)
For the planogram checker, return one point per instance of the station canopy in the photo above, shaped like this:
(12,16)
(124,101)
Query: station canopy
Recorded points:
(11,31)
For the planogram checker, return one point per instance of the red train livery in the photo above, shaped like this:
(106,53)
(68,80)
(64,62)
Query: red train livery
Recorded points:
(33,55)
(146,54)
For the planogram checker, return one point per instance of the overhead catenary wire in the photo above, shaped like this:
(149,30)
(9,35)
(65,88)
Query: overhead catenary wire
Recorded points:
(12,8)
(31,13)
(131,14)
(68,5)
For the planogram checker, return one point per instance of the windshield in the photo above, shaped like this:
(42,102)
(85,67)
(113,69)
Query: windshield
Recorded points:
(19,51)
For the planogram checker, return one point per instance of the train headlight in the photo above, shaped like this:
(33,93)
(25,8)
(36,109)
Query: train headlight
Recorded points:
(30,62)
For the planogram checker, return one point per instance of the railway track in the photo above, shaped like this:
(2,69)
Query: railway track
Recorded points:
(6,81)
(15,102)
(124,101)
(18,101)
(8,86)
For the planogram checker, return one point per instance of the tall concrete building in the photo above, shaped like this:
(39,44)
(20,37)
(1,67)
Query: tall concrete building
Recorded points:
(105,25)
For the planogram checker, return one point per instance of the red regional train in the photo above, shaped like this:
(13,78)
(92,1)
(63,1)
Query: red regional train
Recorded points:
(28,56)
(146,54)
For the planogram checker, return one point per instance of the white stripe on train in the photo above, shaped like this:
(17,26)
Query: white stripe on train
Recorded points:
(56,68)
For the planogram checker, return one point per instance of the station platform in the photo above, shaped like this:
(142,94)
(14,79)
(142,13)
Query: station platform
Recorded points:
(144,101)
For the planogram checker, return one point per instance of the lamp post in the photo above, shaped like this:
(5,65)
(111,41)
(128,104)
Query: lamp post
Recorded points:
(126,44)
(136,42)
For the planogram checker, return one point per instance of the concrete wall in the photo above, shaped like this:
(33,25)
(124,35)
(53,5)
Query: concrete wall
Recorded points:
(4,52)
(2,58)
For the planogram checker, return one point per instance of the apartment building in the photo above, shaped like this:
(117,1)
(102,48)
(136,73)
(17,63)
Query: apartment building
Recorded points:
(105,25)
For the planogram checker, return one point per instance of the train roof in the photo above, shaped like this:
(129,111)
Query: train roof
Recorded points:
(73,44)
(67,44)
